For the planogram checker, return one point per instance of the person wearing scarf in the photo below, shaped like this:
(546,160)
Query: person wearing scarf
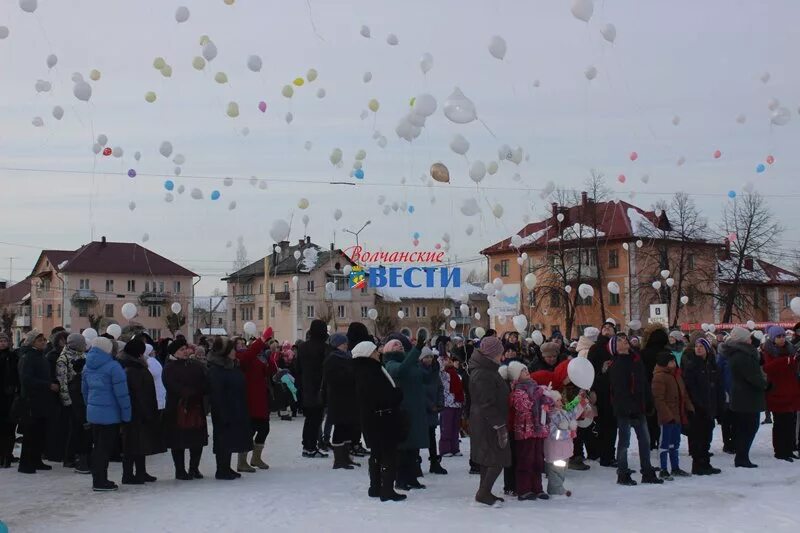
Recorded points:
(434,393)
(69,367)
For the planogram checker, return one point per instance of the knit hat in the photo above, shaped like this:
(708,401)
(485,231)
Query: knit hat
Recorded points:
(739,334)
(557,335)
(76,342)
(363,349)
(32,336)
(677,335)
(611,322)
(134,348)
(705,344)
(357,332)
(491,347)
(591,333)
(176,345)
(104,345)
(405,341)
(612,346)
(426,352)
(550,348)
(775,331)
(393,345)
(663,358)
(515,368)
(337,339)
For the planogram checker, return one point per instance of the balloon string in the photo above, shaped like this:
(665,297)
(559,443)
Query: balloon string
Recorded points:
(311,19)
(487,128)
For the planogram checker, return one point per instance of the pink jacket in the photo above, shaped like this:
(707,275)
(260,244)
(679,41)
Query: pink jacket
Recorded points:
(530,406)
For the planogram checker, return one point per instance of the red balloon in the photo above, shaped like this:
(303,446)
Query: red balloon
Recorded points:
(106,151)
(770,159)
(717,154)
(438,246)
(634,156)
(416,242)
(621,178)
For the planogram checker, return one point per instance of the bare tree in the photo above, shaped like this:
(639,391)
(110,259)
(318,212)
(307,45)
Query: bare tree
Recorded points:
(385,324)
(750,221)
(7,320)
(598,192)
(478,275)
(175,321)
(241,260)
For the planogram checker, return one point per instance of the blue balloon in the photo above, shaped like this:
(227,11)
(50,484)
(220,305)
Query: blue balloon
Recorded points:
(359,174)
(731,194)
(169,185)
(411,209)
(215,195)
(416,235)
(760,168)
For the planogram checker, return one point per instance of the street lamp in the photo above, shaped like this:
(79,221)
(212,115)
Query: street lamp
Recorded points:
(356,233)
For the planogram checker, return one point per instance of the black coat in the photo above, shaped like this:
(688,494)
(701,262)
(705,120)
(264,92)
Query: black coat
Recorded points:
(598,355)
(229,414)
(748,381)
(9,383)
(310,359)
(340,384)
(657,344)
(703,383)
(184,419)
(630,389)
(35,380)
(382,422)
(142,435)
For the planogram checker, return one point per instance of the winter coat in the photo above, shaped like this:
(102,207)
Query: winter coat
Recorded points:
(489,410)
(184,419)
(257,374)
(9,383)
(340,384)
(598,355)
(229,412)
(35,380)
(630,389)
(406,371)
(748,382)
(670,396)
(434,393)
(68,370)
(452,386)
(382,421)
(310,359)
(703,384)
(142,435)
(655,342)
(157,371)
(529,406)
(562,430)
(105,389)
(781,367)
(539,364)
(726,378)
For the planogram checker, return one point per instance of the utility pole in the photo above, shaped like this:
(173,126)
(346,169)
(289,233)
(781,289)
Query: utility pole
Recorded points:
(10,269)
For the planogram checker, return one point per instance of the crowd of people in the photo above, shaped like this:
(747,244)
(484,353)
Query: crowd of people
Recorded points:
(84,402)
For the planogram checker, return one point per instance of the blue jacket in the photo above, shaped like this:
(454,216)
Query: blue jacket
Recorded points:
(105,389)
(725,373)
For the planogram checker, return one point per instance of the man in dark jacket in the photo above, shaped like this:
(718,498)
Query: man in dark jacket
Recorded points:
(606,421)
(37,394)
(310,358)
(340,386)
(630,398)
(701,377)
(9,388)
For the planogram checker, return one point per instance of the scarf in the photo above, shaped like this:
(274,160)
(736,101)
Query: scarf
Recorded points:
(456,387)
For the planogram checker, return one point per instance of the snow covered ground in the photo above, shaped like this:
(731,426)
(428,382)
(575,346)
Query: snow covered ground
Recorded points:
(299,494)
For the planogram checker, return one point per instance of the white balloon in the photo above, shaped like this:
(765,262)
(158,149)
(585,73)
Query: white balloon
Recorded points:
(794,305)
(297,254)
(182,14)
(37,122)
(337,214)
(530,280)
(480,332)
(254,63)
(4,32)
(165,149)
(590,72)
(585,290)
(97,148)
(42,86)
(464,309)
(365,31)
(28,6)
(347,270)
(181,189)
(537,337)
(58,112)
(279,230)
(670,282)
(497,283)
(684,300)
(209,51)
(635,324)
(425,105)
(336,156)
(52,60)
(520,323)
(458,108)
(751,325)
(581,372)
(367,77)
(613,287)
(401,315)
(179,159)
(676,120)
(497,211)
(76,77)
(114,330)
(132,205)
(781,116)
(582,9)
(177,172)
(129,310)
(169,197)
(372,314)
(568,289)
(560,217)
(250,329)
(392,39)
(656,285)
(470,207)
(741,119)
(232,205)
(320,93)
(303,203)
(765,77)
(446,312)
(459,144)
(469,229)
(90,334)
(102,139)
(82,91)
(117,151)
(477,171)
(773,104)
(665,274)
(639,243)
(497,47)
(289,117)
(492,168)
(197,194)
(175,307)
(426,62)
(609,32)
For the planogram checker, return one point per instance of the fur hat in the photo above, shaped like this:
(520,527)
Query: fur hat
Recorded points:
(134,348)
(491,347)
(76,342)
(552,394)
(515,368)
(550,348)
(32,336)
(176,345)
(337,339)
(591,333)
(363,349)
(104,345)
(739,334)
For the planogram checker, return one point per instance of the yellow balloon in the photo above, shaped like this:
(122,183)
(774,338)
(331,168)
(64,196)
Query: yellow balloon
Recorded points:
(299,82)
(311,75)
(221,77)
(158,63)
(287,91)
(150,97)
(229,2)
(233,109)
(412,101)
(94,75)
(203,40)
(199,63)
(166,71)
(374,105)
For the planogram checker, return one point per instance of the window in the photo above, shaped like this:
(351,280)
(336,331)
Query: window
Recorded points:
(786,299)
(583,301)
(613,258)
(83,310)
(131,285)
(342,284)
(285,286)
(233,314)
(261,313)
(154,333)
(83,284)
(49,310)
(146,286)
(160,286)
(406,311)
(260,288)
(555,299)
(272,311)
(589,258)
(613,299)
(422,311)
(310,285)
(271,288)
(339,311)
(504,268)
(219,320)
(309,311)
(176,286)
(39,311)
(532,298)
(154,311)
(109,310)
(690,260)
(555,329)
(109,285)
(364,311)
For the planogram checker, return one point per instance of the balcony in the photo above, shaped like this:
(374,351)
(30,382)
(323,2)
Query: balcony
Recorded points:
(341,296)
(244,298)
(84,295)
(153,298)
(22,322)
(282,296)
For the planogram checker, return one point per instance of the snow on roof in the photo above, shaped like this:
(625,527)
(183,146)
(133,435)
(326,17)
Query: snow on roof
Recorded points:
(396,294)
(728,271)
(578,231)
(641,226)
(62,264)
(535,236)
(782,276)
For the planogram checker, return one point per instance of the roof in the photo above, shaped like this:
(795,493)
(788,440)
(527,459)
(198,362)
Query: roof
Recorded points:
(616,220)
(762,273)
(104,257)
(312,257)
(16,292)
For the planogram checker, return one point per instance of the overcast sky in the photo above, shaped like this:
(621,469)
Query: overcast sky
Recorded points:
(701,61)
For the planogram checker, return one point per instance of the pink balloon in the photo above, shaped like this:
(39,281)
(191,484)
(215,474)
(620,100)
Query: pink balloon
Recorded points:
(634,156)
(416,242)
(717,154)
(438,246)
(262,106)
(770,159)
(621,178)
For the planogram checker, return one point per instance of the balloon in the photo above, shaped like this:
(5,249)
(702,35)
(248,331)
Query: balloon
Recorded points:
(426,62)
(28,6)
(741,119)
(585,290)
(717,154)
(470,207)
(665,274)
(581,372)
(177,172)
(770,159)
(765,77)
(582,10)
(52,60)
(560,217)
(480,332)
(131,205)
(165,149)
(590,72)
(497,211)
(4,33)
(169,185)
(76,77)
(114,330)
(221,77)
(609,33)
(530,280)
(82,91)
(58,112)
(175,307)
(209,51)
(497,283)
(374,105)
(401,314)
(458,108)
(681,161)
(182,14)
(446,312)
(372,314)
(359,174)
(425,105)
(670,282)
(634,156)
(303,203)
(459,144)
(254,63)
(196,194)
(90,334)
(613,287)
(537,337)
(311,75)
(289,117)
(520,323)
(684,300)
(773,104)
(656,285)
(367,77)
(299,82)
(411,209)
(463,309)
(166,71)
(107,151)
(94,75)
(42,86)
(624,245)
(477,316)
(794,305)
(232,205)
(199,63)
(129,310)
(635,324)
(497,47)
(781,116)
(492,168)
(131,173)
(477,171)
(489,288)
(639,243)
(37,122)
(365,31)
(320,93)
(336,156)
(759,168)
(621,178)
(731,194)
(215,195)
(250,329)
(440,173)
(149,97)
(159,63)
(232,110)
(279,230)
(392,39)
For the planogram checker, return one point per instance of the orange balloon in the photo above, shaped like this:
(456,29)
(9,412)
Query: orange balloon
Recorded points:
(439,172)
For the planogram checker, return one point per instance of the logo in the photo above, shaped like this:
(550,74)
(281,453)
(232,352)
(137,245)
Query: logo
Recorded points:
(358,279)
(414,277)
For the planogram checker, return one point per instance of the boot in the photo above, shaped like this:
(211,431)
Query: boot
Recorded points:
(82,464)
(665,476)
(127,473)
(242,466)
(255,460)
(436,467)
(677,472)
(649,478)
(484,494)
(224,467)
(351,462)
(374,478)
(387,492)
(576,463)
(341,457)
(625,479)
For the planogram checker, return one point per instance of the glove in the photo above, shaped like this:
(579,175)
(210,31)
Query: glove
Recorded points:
(422,336)
(267,334)
(502,436)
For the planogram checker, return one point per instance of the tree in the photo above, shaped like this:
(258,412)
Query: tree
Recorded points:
(241,255)
(175,321)
(7,320)
(385,324)
(95,321)
(598,192)
(749,221)
(478,276)
(437,322)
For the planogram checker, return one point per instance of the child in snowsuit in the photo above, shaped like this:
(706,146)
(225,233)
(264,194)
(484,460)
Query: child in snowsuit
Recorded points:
(559,446)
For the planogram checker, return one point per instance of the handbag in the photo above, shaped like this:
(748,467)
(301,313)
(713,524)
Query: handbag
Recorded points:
(189,417)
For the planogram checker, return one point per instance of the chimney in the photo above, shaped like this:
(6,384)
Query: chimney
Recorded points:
(308,239)
(584,198)
(748,263)
(301,242)
(726,254)
(103,240)
(554,205)
(3,284)
(332,248)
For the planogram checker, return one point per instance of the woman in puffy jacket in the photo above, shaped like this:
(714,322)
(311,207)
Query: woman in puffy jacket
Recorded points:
(783,399)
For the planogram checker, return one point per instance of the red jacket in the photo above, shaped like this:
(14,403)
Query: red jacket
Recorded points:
(781,367)
(256,376)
